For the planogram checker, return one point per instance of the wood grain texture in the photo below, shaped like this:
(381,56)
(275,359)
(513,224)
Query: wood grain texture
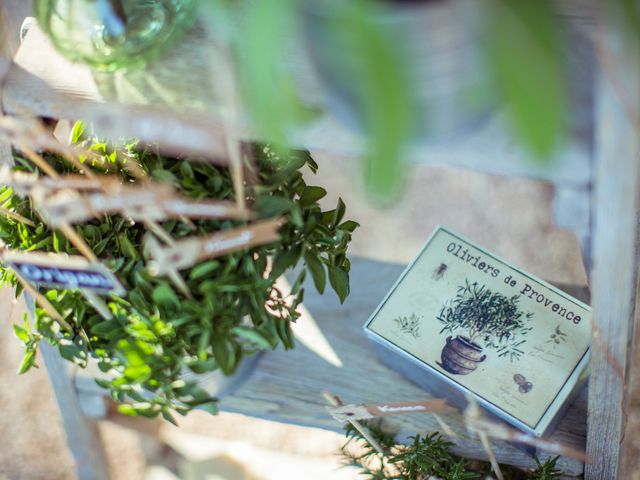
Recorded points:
(287,386)
(614,277)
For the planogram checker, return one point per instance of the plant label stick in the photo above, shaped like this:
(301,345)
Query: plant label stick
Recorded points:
(24,183)
(335,401)
(192,250)
(38,297)
(68,272)
(69,207)
(63,271)
(150,203)
(204,209)
(346,413)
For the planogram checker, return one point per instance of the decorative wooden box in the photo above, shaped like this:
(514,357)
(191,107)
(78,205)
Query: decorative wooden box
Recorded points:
(461,321)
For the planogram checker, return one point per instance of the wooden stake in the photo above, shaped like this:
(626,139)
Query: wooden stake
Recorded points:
(78,242)
(484,439)
(160,232)
(40,162)
(17,216)
(179,282)
(43,302)
(152,244)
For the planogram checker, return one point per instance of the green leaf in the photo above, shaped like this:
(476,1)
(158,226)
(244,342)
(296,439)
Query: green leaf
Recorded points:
(168,417)
(349,226)
(92,233)
(71,352)
(209,407)
(186,170)
(253,336)
(376,63)
(268,89)
(78,130)
(138,373)
(338,213)
(203,269)
(28,361)
(203,343)
(21,333)
(203,366)
(163,294)
(340,282)
(272,206)
(105,327)
(316,268)
(223,354)
(285,260)
(311,195)
(127,409)
(127,248)
(525,53)
(164,176)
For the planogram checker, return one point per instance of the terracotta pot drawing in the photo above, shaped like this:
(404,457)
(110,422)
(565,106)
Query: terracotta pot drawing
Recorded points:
(461,356)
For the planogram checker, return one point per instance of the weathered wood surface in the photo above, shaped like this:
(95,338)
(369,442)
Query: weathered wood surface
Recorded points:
(83,437)
(183,84)
(336,356)
(614,277)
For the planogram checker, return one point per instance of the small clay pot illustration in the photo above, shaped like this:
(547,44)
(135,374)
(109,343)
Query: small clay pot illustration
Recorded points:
(461,356)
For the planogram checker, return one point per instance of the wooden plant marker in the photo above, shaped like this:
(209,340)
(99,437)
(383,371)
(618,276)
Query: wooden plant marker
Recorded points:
(150,203)
(335,401)
(16,216)
(24,183)
(39,298)
(63,271)
(345,413)
(185,253)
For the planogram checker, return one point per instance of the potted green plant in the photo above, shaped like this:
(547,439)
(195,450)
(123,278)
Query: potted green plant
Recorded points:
(160,343)
(487,317)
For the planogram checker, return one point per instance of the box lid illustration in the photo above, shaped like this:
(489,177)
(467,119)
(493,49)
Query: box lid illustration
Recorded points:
(484,326)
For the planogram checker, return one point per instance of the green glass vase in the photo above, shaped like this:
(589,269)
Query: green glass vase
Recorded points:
(112,34)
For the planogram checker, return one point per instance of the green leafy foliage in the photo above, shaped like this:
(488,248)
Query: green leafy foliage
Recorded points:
(379,68)
(546,470)
(30,340)
(268,88)
(156,333)
(425,457)
(487,315)
(525,53)
(524,46)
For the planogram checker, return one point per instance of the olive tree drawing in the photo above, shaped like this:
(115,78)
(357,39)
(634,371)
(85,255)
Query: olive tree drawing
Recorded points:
(484,318)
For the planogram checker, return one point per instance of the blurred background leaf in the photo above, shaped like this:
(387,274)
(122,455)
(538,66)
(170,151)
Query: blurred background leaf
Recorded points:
(380,70)
(525,51)
(267,87)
